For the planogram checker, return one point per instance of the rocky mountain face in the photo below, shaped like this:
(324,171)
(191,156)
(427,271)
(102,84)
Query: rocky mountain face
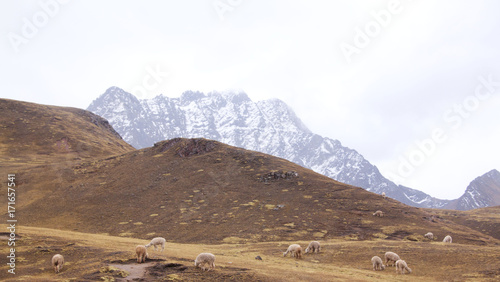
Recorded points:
(268,126)
(483,191)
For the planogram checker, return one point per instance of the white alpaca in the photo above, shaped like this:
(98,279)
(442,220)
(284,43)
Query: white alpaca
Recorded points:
(157,242)
(447,239)
(313,247)
(377,263)
(401,266)
(429,236)
(205,258)
(295,250)
(391,257)
(57,262)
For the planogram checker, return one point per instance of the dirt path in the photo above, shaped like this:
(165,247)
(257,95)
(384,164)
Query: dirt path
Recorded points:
(135,270)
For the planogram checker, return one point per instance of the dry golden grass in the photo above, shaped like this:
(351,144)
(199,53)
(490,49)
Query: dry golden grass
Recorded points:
(88,256)
(485,220)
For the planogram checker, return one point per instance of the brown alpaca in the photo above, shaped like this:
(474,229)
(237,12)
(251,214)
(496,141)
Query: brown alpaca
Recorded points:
(141,253)
(298,253)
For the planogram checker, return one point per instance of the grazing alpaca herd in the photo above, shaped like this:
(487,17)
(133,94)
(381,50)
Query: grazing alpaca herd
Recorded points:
(295,250)
(200,261)
(394,259)
(390,257)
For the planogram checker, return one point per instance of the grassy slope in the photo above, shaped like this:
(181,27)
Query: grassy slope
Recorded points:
(215,197)
(33,135)
(485,220)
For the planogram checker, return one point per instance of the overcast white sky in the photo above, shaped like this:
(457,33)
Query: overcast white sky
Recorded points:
(380,76)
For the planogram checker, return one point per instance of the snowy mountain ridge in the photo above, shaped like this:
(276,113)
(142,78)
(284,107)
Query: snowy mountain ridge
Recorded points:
(484,191)
(268,126)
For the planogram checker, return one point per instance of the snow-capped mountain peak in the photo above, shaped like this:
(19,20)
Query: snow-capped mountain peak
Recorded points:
(231,117)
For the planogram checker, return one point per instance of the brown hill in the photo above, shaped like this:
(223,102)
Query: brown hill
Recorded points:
(33,134)
(198,190)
